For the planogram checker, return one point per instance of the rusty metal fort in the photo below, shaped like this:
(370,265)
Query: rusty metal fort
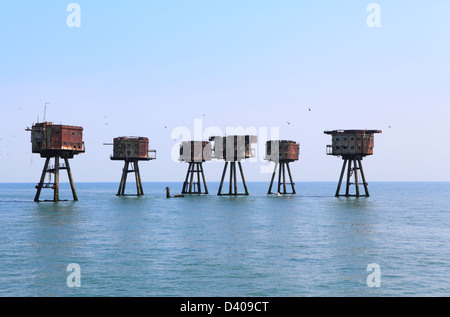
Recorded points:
(131,150)
(56,142)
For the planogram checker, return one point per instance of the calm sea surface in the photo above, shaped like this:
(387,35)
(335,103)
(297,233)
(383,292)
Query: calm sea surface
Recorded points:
(309,244)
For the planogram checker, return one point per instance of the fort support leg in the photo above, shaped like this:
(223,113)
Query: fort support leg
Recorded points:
(279,179)
(230,191)
(203,177)
(290,178)
(273,177)
(125,177)
(41,182)
(223,178)
(185,184)
(349,173)
(194,179)
(140,179)
(191,178)
(199,183)
(69,174)
(282,166)
(235,179)
(340,178)
(195,171)
(56,186)
(137,175)
(123,181)
(363,178)
(355,171)
(243,179)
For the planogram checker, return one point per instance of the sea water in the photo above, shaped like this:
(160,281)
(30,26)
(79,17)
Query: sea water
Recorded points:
(308,244)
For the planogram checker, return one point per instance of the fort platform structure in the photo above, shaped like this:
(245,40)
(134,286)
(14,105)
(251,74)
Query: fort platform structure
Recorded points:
(195,153)
(282,152)
(233,149)
(352,146)
(131,150)
(56,142)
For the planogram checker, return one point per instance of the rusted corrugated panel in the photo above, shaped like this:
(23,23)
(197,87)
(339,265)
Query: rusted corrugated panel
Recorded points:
(67,137)
(49,137)
(351,142)
(282,151)
(131,147)
(143,147)
(37,137)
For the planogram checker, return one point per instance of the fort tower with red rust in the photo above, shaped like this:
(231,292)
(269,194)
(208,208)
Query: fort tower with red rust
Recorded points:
(282,152)
(352,146)
(56,142)
(131,150)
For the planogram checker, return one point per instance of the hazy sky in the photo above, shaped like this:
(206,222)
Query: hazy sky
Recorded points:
(134,68)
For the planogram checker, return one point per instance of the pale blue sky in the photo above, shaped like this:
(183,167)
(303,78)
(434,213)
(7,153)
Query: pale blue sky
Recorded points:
(135,67)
